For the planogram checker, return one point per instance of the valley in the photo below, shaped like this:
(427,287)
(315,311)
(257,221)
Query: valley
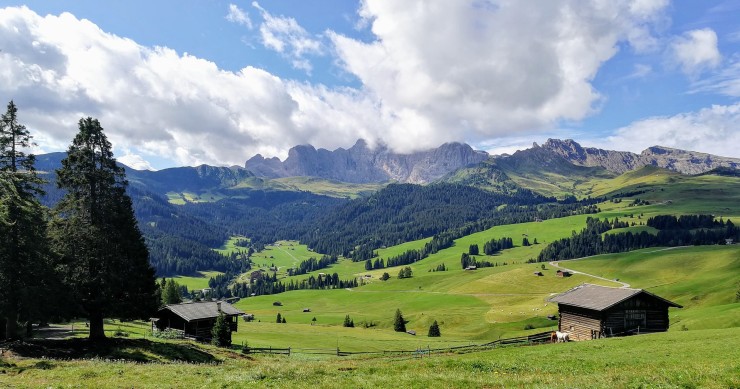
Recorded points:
(260,228)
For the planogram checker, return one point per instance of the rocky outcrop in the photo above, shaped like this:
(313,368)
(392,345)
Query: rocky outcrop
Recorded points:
(361,164)
(683,161)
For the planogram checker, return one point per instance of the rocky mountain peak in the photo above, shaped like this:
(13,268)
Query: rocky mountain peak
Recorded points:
(683,161)
(361,164)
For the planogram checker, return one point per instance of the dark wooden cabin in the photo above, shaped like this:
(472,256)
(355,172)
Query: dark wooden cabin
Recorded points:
(196,319)
(592,311)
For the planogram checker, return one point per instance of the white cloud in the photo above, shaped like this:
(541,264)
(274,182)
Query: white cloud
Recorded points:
(477,69)
(178,107)
(134,161)
(696,51)
(239,16)
(437,72)
(287,37)
(711,130)
(725,81)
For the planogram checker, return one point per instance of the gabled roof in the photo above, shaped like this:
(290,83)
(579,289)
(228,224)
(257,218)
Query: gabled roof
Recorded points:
(600,298)
(200,310)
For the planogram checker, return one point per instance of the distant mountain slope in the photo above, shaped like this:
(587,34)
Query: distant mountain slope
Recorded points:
(536,168)
(360,164)
(683,161)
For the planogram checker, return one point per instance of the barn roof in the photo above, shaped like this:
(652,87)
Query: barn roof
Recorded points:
(200,310)
(600,298)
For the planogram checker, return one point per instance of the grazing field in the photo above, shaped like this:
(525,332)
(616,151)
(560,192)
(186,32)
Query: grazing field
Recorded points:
(196,282)
(704,279)
(674,359)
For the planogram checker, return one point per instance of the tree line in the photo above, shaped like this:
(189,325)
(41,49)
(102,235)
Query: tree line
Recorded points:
(678,231)
(86,256)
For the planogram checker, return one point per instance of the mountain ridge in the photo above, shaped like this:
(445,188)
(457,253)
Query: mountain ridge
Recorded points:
(682,161)
(361,164)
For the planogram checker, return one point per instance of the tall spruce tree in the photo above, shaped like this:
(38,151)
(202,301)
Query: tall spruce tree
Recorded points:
(221,332)
(25,267)
(399,324)
(105,262)
(434,330)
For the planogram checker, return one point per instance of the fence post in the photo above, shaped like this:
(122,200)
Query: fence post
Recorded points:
(288,350)
(337,351)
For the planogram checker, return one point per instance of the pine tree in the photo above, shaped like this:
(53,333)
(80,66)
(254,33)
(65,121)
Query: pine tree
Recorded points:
(525,242)
(399,324)
(171,293)
(434,330)
(279,318)
(105,262)
(26,272)
(348,322)
(473,250)
(221,332)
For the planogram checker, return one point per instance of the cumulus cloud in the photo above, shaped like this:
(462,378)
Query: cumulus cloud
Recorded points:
(60,68)
(476,69)
(696,51)
(239,16)
(436,72)
(287,37)
(712,130)
(134,161)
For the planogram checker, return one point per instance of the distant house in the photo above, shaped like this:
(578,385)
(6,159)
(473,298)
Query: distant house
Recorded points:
(563,273)
(195,319)
(729,241)
(592,311)
(471,268)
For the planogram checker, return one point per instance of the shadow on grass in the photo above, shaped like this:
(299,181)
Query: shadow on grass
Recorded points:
(137,350)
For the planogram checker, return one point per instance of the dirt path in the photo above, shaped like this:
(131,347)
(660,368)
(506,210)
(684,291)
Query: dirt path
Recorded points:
(295,260)
(555,264)
(624,284)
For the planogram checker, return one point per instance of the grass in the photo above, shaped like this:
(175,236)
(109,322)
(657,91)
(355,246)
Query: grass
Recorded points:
(196,282)
(675,359)
(703,279)
(470,306)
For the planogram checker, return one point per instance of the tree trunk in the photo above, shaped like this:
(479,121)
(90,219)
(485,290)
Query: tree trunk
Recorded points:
(29,329)
(11,323)
(96,326)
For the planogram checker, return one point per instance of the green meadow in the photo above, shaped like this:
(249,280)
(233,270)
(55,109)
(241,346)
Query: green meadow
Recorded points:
(680,359)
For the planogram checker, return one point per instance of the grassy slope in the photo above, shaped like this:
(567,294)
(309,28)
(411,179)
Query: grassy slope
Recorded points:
(703,279)
(480,305)
(314,185)
(673,359)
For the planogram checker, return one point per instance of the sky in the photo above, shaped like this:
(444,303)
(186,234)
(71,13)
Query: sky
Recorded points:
(188,82)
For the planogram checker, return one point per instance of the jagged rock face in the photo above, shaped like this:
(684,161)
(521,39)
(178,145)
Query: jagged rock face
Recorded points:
(360,164)
(686,162)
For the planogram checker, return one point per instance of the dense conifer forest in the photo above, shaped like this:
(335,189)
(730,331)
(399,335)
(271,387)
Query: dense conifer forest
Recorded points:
(672,231)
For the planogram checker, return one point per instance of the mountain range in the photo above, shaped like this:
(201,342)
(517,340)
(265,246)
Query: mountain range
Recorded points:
(682,161)
(362,164)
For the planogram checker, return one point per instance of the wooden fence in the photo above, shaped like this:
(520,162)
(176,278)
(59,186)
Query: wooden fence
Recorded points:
(534,339)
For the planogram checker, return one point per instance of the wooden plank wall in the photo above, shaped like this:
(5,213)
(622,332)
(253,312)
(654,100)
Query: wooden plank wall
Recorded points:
(579,323)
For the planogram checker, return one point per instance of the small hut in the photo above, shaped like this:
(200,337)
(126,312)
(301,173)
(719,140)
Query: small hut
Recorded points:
(592,311)
(563,273)
(195,319)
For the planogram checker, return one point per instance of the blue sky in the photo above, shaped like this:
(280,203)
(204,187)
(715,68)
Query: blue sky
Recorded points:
(188,82)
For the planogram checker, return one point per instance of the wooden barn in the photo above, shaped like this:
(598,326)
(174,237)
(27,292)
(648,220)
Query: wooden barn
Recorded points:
(592,311)
(196,319)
